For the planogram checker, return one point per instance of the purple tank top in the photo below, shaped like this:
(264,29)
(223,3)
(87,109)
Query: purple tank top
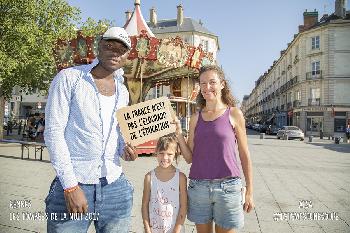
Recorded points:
(214,152)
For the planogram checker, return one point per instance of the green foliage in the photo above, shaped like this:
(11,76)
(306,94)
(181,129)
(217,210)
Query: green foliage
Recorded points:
(91,28)
(29,30)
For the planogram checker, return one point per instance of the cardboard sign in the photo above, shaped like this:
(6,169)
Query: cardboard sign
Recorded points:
(149,120)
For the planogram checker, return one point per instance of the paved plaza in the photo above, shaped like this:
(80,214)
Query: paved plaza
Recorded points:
(294,181)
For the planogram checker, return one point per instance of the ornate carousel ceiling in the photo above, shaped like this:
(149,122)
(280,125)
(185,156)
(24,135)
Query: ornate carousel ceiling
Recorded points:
(151,60)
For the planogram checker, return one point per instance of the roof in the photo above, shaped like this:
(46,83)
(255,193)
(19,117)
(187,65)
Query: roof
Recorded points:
(170,25)
(136,23)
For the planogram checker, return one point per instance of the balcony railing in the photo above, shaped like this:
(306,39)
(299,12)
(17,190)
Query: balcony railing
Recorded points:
(295,80)
(314,102)
(314,75)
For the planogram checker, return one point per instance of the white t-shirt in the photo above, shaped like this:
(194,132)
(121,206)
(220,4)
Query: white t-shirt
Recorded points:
(164,204)
(109,169)
(107,106)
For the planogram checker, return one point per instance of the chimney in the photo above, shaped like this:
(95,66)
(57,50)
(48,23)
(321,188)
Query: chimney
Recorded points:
(127,15)
(301,28)
(137,2)
(180,15)
(310,19)
(153,17)
(340,9)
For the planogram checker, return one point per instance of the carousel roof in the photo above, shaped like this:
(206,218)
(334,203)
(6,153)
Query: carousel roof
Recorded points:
(188,25)
(136,24)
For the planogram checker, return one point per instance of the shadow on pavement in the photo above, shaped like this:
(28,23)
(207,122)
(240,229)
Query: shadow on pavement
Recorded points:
(252,132)
(26,159)
(343,147)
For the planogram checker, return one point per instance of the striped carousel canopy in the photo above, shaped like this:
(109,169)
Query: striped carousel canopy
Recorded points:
(136,24)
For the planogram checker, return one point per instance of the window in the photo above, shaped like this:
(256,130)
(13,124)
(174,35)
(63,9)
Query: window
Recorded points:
(157,91)
(314,124)
(339,125)
(315,68)
(205,45)
(315,93)
(315,42)
(297,95)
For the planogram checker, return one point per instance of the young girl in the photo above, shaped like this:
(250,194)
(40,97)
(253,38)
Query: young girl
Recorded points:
(164,201)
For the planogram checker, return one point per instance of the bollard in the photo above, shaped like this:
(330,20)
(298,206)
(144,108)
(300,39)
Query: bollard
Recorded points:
(329,137)
(321,134)
(262,136)
(336,140)
(310,138)
(285,137)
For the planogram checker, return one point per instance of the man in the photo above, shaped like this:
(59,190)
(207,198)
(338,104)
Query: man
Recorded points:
(84,142)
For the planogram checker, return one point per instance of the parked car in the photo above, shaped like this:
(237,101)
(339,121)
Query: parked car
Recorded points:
(249,125)
(263,128)
(256,126)
(292,132)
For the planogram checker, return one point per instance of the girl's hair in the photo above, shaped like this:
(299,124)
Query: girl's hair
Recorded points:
(226,95)
(165,142)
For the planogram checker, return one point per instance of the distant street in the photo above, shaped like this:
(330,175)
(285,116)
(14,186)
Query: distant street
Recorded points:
(298,187)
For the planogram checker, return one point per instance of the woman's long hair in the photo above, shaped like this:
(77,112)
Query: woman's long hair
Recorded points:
(226,95)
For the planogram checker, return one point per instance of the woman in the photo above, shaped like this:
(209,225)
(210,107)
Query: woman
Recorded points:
(214,134)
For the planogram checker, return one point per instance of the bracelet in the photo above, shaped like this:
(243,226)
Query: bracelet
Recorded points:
(72,189)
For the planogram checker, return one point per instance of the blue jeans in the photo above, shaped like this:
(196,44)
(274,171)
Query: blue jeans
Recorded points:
(216,200)
(109,208)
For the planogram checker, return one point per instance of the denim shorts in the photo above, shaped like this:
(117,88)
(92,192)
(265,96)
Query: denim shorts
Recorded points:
(109,207)
(216,200)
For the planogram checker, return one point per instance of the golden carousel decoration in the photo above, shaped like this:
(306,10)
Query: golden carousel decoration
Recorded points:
(152,62)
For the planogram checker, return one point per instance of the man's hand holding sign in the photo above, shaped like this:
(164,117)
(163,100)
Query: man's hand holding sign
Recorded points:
(145,121)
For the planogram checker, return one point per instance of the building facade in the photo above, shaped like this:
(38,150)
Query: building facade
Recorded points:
(190,31)
(309,85)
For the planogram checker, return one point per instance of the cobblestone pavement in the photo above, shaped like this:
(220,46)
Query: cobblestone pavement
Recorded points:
(292,180)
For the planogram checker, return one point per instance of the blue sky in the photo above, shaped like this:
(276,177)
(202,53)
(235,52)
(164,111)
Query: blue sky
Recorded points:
(251,33)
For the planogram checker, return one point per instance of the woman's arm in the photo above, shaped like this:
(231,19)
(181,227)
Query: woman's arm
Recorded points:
(238,121)
(145,202)
(187,147)
(181,217)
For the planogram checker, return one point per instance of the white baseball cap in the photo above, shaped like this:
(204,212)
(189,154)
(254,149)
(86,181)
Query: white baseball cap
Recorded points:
(117,33)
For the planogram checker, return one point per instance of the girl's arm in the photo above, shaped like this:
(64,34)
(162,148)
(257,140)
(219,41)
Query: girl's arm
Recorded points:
(180,220)
(187,148)
(239,123)
(145,202)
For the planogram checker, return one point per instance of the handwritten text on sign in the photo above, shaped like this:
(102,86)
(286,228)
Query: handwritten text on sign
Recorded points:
(146,121)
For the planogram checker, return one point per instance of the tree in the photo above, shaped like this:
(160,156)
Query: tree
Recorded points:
(29,30)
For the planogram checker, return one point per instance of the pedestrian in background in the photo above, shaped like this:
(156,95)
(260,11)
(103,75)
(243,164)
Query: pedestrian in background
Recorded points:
(215,193)
(347,132)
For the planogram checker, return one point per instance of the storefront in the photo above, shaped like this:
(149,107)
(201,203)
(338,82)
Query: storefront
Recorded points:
(314,123)
(281,119)
(314,120)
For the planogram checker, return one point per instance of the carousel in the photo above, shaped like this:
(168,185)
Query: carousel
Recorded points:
(152,62)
